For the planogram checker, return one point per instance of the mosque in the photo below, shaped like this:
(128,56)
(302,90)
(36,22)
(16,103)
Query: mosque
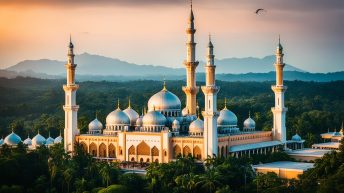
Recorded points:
(167,131)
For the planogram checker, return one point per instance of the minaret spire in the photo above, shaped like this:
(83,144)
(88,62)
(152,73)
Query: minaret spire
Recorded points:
(129,104)
(279,111)
(210,113)
(70,107)
(191,64)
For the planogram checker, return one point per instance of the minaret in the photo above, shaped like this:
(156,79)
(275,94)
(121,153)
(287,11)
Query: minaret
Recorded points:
(279,111)
(70,107)
(210,113)
(190,89)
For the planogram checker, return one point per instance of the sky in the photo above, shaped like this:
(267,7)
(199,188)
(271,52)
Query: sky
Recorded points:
(153,31)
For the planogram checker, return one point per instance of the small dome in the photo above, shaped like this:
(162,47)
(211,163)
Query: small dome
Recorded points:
(175,124)
(95,126)
(132,114)
(227,118)
(164,100)
(38,140)
(336,134)
(139,121)
(49,140)
(27,141)
(296,137)
(185,112)
(117,117)
(58,139)
(249,123)
(12,139)
(197,126)
(154,118)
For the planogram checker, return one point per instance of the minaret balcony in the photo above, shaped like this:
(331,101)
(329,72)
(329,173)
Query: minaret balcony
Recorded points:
(210,114)
(191,90)
(210,89)
(279,88)
(70,87)
(191,64)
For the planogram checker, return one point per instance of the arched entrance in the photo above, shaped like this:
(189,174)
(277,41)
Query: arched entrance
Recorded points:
(176,151)
(155,151)
(197,152)
(143,149)
(186,151)
(102,150)
(84,146)
(112,151)
(93,149)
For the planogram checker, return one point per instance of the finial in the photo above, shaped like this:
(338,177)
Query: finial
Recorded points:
(118,103)
(209,37)
(191,4)
(49,133)
(249,114)
(96,114)
(197,108)
(70,38)
(129,105)
(38,131)
(164,87)
(279,38)
(342,125)
(328,130)
(225,103)
(60,132)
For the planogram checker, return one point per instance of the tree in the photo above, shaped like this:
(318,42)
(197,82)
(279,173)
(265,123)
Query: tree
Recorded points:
(209,181)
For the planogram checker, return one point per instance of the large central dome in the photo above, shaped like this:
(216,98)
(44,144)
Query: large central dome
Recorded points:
(164,101)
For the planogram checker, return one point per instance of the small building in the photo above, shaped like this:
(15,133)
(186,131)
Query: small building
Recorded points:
(308,154)
(284,169)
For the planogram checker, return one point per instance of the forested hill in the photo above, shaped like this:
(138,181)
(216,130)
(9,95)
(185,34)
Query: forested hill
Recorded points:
(267,76)
(28,104)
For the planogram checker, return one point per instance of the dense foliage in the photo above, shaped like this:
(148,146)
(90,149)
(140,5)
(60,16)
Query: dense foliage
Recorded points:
(52,170)
(28,104)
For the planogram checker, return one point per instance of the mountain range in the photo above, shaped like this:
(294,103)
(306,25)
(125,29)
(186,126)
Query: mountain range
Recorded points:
(89,64)
(97,68)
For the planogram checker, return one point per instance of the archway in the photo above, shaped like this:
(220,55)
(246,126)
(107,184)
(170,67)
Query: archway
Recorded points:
(176,151)
(93,149)
(143,149)
(84,146)
(147,160)
(112,151)
(197,152)
(155,151)
(131,150)
(186,151)
(222,151)
(102,150)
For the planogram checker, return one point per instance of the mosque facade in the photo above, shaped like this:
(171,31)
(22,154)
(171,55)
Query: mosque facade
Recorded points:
(166,131)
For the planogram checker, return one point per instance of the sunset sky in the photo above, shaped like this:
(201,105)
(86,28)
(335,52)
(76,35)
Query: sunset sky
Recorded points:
(153,31)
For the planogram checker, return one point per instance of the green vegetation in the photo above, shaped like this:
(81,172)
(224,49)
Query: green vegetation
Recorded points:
(28,104)
(51,170)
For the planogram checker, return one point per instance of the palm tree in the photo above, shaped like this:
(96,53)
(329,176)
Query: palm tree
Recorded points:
(209,181)
(68,176)
(105,173)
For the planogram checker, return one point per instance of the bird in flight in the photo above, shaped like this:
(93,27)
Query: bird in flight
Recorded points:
(259,10)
